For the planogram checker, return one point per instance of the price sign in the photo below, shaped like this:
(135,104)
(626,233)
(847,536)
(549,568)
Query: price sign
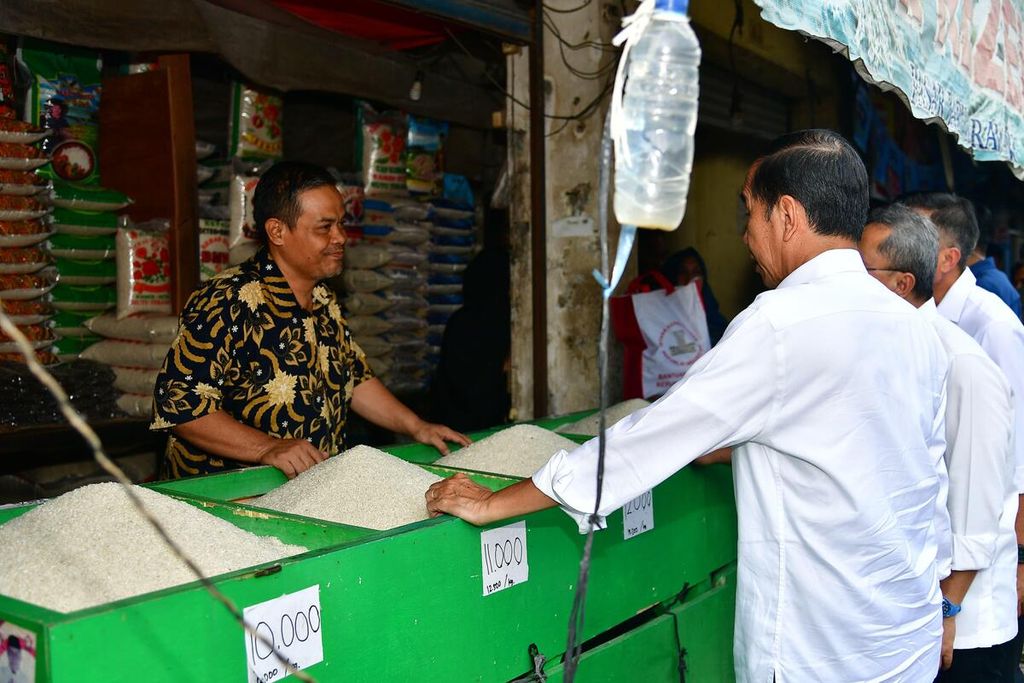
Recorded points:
(289,625)
(503,554)
(638,515)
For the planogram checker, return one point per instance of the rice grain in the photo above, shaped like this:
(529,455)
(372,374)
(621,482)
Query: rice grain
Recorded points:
(91,546)
(588,426)
(518,451)
(361,487)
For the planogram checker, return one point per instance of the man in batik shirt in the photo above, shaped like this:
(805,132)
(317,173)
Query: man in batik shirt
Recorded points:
(264,370)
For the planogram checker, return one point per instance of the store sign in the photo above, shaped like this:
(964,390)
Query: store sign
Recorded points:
(960,61)
(503,557)
(289,626)
(638,515)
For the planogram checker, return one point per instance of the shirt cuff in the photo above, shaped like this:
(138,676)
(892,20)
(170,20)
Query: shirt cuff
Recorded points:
(555,476)
(973,552)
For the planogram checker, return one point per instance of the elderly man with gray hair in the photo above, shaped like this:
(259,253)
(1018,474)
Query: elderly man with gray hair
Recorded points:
(900,248)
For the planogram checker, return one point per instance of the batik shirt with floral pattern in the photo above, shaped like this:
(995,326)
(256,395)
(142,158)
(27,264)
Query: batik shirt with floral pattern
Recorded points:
(248,348)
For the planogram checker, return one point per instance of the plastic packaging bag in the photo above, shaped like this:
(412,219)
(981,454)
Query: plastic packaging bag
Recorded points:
(243,227)
(88,197)
(356,280)
(95,298)
(136,405)
(153,329)
(255,125)
(381,147)
(213,247)
(65,98)
(352,197)
(72,222)
(24,260)
(128,353)
(135,380)
(363,303)
(30,312)
(88,248)
(424,156)
(367,325)
(143,272)
(367,256)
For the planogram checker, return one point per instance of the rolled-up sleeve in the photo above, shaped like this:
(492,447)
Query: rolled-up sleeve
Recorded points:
(191,381)
(727,397)
(979,436)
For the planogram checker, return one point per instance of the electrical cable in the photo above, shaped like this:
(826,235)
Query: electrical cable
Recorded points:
(111,468)
(593,44)
(586,4)
(575,117)
(574,643)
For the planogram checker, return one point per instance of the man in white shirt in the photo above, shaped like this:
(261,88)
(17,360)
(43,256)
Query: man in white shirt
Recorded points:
(987,319)
(832,391)
(900,248)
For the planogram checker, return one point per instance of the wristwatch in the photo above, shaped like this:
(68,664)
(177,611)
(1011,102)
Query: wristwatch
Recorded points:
(1020,554)
(949,609)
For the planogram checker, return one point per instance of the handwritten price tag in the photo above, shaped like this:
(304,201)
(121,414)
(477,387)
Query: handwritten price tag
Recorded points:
(290,625)
(503,554)
(638,515)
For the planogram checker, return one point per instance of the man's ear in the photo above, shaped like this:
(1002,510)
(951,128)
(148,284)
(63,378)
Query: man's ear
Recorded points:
(949,258)
(791,215)
(905,284)
(275,231)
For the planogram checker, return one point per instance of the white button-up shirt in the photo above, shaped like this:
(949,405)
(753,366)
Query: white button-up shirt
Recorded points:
(992,324)
(982,499)
(833,389)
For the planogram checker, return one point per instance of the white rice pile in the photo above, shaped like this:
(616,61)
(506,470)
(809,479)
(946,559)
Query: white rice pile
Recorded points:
(588,426)
(92,546)
(517,451)
(362,487)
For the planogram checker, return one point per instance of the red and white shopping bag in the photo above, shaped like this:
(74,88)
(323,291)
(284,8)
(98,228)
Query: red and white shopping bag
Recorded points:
(663,333)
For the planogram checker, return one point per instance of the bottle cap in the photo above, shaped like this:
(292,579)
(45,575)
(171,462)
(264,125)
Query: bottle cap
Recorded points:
(679,6)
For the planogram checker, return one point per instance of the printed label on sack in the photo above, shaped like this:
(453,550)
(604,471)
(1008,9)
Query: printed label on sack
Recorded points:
(17,653)
(503,553)
(289,625)
(638,515)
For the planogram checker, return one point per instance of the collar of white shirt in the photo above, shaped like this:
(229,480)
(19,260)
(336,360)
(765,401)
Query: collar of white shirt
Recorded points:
(826,263)
(952,305)
(929,309)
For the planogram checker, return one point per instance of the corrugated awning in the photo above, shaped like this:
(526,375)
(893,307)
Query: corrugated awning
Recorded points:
(957,64)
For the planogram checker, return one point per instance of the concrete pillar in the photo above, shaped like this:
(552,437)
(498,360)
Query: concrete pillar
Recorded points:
(572,157)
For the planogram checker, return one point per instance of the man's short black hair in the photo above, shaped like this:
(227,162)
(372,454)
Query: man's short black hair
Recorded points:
(819,169)
(954,217)
(277,193)
(986,229)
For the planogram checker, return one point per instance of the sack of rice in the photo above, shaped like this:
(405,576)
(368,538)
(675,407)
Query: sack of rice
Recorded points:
(128,353)
(154,329)
(136,405)
(143,272)
(255,124)
(139,381)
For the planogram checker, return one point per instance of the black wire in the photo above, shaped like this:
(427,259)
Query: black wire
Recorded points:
(575,117)
(579,73)
(594,44)
(586,4)
(574,642)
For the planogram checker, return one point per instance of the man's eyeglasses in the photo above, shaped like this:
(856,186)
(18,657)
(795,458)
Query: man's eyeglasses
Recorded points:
(891,270)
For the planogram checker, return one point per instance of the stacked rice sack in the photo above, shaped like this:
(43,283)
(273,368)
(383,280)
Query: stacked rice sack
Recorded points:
(26,264)
(385,278)
(254,142)
(452,245)
(213,177)
(86,221)
(134,347)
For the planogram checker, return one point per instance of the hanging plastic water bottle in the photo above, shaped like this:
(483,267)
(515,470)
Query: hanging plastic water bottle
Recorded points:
(654,118)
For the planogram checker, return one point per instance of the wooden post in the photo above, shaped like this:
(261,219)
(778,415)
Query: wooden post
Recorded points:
(147,150)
